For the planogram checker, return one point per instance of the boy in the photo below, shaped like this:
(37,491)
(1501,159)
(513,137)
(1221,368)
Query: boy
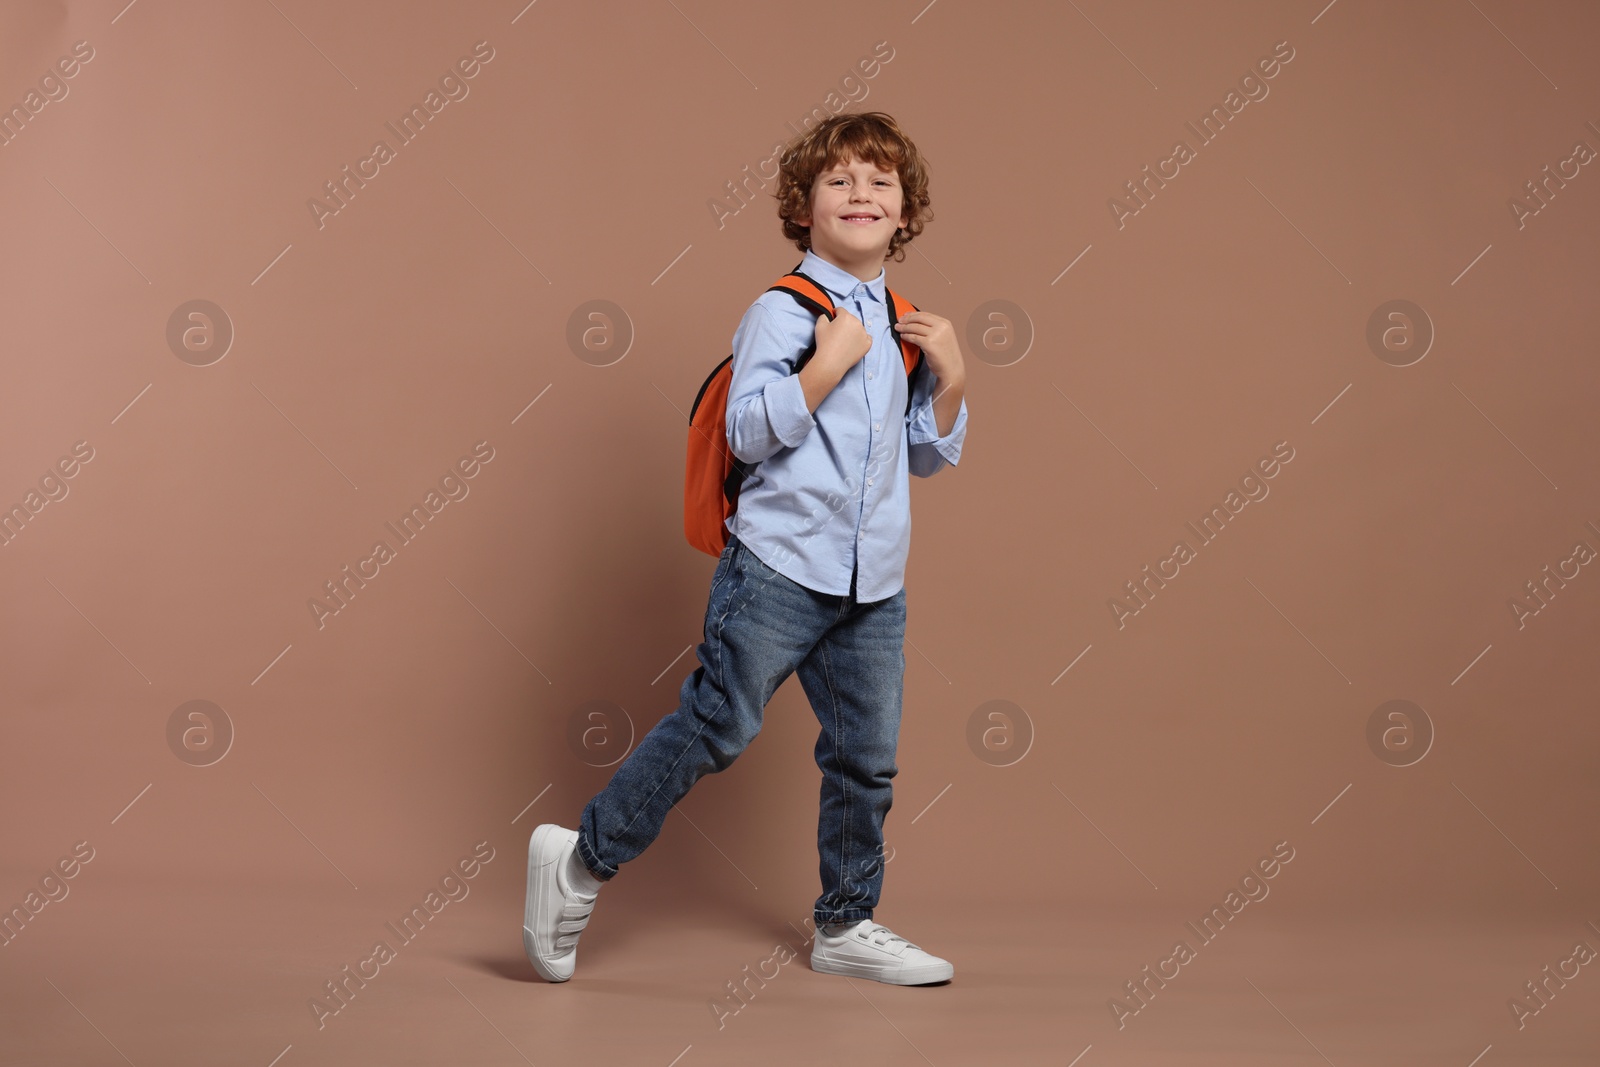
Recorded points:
(811,580)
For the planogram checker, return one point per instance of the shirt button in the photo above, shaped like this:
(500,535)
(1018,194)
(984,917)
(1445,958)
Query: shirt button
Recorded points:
(877,426)
(869,374)
(869,481)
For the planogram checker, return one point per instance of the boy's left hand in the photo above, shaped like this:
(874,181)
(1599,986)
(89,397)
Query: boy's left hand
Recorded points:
(937,339)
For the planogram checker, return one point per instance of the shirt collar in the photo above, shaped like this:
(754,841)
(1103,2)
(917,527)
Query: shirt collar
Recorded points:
(838,281)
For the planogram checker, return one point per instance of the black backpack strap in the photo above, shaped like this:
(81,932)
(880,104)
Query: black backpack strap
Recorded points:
(811,296)
(921,358)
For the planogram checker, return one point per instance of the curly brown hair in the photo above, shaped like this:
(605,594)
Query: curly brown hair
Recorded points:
(872,137)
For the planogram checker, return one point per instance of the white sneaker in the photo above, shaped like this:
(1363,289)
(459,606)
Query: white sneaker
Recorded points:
(872,950)
(553,914)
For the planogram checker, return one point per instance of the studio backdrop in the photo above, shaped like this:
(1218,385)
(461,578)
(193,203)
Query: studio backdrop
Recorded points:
(348,358)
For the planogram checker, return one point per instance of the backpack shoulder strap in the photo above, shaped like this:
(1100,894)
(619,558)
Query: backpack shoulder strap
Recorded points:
(899,307)
(812,297)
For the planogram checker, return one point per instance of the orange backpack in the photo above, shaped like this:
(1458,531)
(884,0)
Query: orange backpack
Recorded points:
(714,473)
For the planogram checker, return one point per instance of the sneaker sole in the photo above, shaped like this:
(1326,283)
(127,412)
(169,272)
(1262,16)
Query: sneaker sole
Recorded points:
(941,972)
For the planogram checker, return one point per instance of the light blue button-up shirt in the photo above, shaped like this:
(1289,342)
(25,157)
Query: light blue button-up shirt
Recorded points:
(829,491)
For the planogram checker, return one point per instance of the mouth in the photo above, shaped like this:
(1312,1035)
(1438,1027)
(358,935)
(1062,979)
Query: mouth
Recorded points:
(860,219)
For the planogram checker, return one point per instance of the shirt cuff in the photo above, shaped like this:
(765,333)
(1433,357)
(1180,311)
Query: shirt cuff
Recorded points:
(924,431)
(786,410)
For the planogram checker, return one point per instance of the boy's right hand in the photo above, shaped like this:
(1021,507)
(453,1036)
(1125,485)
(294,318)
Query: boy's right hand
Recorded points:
(842,342)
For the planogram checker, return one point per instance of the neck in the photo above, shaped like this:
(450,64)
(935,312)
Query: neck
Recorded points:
(865,266)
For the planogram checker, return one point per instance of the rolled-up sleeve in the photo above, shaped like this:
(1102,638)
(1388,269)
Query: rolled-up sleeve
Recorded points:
(927,451)
(766,402)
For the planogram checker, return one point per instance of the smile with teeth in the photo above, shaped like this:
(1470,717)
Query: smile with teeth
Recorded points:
(863,219)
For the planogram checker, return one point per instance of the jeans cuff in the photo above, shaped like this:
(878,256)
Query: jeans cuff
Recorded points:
(848,915)
(601,870)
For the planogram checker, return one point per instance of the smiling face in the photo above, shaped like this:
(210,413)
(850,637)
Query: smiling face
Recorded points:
(855,210)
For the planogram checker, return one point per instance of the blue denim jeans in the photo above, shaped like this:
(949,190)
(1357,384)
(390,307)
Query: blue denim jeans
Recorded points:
(760,628)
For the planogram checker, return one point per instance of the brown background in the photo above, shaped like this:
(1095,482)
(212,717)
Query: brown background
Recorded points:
(368,354)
